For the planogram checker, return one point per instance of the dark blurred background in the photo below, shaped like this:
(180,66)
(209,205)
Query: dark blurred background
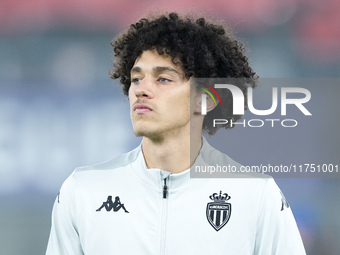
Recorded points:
(59,109)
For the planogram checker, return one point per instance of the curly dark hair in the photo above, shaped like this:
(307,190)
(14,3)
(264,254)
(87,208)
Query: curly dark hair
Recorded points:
(205,50)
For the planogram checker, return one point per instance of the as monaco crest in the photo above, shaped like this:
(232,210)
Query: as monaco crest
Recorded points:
(218,212)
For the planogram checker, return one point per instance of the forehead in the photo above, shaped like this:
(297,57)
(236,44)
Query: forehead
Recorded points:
(150,59)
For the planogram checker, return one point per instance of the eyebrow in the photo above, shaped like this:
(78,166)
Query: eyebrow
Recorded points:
(159,69)
(156,69)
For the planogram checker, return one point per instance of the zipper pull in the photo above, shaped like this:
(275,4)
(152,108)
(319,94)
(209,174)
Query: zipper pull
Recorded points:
(165,189)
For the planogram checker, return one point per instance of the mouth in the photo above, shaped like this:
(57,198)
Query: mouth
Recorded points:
(141,108)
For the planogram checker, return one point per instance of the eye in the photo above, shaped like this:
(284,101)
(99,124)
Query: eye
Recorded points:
(136,80)
(163,80)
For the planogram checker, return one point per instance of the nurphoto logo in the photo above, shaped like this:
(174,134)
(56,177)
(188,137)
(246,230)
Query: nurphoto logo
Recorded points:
(238,97)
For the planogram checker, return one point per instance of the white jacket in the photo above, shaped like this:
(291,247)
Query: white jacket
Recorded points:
(189,216)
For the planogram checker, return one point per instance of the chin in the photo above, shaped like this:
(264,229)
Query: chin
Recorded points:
(144,132)
(153,135)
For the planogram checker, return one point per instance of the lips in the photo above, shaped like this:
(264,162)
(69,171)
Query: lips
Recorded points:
(141,108)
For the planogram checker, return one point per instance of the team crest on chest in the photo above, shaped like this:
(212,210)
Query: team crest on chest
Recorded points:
(218,212)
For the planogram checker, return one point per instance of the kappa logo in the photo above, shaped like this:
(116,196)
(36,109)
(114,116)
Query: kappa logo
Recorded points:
(110,205)
(219,211)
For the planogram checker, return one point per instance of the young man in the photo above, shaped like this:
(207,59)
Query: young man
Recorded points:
(164,211)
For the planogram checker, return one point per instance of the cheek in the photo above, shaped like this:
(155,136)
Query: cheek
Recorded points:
(131,94)
(195,99)
(130,91)
(185,102)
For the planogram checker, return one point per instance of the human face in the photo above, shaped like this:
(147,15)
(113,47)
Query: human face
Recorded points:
(159,97)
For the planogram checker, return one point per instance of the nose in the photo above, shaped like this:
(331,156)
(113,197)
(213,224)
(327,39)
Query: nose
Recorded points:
(144,88)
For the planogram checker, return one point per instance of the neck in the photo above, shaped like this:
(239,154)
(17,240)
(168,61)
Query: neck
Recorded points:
(174,154)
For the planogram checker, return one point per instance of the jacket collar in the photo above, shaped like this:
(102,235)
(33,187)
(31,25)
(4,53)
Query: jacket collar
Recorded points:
(154,176)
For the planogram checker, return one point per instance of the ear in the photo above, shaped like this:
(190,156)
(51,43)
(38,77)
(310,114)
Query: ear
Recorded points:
(205,100)
(210,103)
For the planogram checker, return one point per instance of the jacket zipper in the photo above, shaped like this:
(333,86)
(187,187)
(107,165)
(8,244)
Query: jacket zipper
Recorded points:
(165,189)
(164,216)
